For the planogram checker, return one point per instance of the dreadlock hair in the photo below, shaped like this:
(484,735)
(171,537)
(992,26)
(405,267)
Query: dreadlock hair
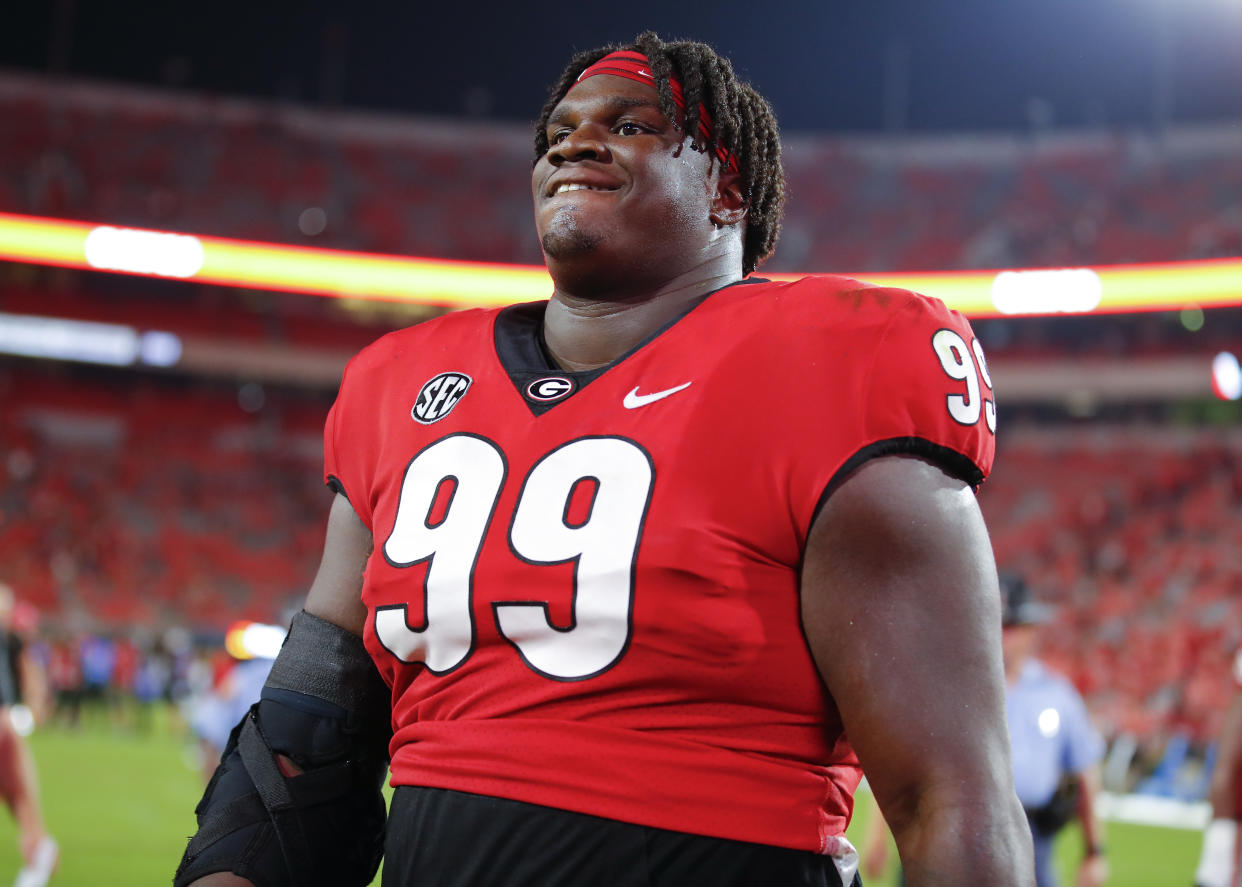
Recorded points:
(742,122)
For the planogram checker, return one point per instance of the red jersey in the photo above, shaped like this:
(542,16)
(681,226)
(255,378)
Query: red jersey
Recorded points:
(585,586)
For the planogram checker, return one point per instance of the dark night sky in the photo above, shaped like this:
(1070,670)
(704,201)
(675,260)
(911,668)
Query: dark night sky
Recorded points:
(971,63)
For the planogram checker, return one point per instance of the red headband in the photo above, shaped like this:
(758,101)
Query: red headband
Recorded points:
(635,66)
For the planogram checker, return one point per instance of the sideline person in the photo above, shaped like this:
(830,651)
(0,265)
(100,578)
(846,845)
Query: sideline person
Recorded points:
(1056,748)
(22,691)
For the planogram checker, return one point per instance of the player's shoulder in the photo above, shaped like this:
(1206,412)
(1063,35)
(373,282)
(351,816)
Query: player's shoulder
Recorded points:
(473,324)
(838,299)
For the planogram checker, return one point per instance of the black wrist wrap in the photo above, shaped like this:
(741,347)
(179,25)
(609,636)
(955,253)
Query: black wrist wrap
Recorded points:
(325,708)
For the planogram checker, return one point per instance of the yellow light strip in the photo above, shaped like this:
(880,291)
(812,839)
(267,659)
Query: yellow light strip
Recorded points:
(361,275)
(336,273)
(43,241)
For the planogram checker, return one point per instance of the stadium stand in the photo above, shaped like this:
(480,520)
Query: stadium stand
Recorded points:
(1134,533)
(117,505)
(245,169)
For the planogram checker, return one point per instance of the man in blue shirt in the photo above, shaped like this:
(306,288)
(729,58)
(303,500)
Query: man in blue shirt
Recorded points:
(1056,749)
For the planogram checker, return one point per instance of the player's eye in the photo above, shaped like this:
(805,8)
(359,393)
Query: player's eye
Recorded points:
(558,136)
(629,128)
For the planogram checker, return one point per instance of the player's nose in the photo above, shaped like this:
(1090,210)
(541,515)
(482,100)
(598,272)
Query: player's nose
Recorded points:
(587,141)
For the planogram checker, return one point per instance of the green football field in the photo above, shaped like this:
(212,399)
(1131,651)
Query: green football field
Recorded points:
(1138,855)
(121,802)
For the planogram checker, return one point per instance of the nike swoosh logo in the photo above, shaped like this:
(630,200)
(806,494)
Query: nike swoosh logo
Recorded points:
(634,400)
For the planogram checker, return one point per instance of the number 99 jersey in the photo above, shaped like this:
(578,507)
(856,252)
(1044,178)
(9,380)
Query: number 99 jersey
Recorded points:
(584,589)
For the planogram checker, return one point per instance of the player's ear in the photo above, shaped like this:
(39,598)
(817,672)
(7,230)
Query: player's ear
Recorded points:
(729,204)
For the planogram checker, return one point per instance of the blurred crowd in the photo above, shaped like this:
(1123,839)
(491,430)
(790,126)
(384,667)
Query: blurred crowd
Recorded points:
(150,505)
(1134,535)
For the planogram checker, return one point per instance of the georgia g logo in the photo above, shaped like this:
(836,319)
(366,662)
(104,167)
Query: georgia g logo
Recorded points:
(549,388)
(438,396)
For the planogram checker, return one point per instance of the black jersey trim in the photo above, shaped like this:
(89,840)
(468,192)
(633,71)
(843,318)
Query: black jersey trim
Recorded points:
(523,353)
(947,459)
(335,485)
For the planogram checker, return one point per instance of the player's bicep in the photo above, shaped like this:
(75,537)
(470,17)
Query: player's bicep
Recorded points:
(901,609)
(336,592)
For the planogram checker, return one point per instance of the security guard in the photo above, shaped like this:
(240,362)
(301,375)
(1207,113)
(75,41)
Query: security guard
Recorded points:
(1056,749)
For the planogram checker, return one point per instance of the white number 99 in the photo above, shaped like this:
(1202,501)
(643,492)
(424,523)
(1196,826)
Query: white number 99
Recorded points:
(966,363)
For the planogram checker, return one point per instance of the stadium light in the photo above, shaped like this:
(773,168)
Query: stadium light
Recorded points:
(1047,291)
(143,252)
(1226,376)
(84,341)
(337,273)
(253,640)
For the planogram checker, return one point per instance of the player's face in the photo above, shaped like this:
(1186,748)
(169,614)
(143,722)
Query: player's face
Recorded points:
(618,186)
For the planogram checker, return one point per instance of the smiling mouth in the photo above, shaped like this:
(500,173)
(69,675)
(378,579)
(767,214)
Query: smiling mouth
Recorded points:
(566,187)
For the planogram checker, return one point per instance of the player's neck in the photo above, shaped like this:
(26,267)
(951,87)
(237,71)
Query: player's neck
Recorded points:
(588,332)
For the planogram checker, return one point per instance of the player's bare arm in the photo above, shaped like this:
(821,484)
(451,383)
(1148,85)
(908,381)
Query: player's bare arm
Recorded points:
(323,648)
(901,611)
(336,592)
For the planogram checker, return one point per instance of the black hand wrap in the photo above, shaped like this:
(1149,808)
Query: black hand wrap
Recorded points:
(325,708)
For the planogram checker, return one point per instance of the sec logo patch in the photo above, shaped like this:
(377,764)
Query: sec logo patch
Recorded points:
(438,396)
(549,388)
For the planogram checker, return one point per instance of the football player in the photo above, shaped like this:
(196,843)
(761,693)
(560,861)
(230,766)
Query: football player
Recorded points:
(642,576)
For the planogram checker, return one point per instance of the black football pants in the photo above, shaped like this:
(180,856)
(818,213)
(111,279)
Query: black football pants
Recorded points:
(453,839)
